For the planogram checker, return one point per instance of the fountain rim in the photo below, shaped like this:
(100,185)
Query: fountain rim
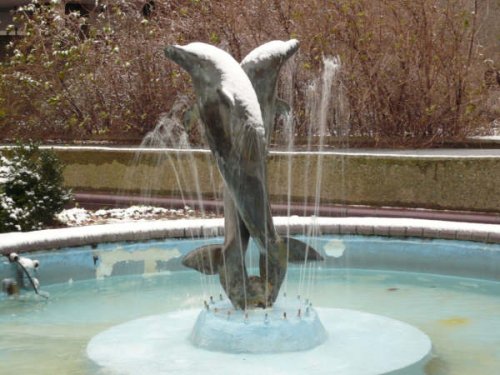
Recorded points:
(446,153)
(138,231)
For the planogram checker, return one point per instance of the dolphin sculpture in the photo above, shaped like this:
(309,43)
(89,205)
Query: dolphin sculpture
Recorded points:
(262,66)
(230,111)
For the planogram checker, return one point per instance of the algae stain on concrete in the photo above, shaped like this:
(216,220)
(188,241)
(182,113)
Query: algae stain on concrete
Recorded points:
(149,258)
(107,176)
(455,321)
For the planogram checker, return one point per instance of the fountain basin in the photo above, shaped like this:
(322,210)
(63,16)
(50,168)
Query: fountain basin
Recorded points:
(355,343)
(288,326)
(447,289)
(460,315)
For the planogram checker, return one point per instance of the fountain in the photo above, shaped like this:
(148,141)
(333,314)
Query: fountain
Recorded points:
(23,270)
(122,302)
(238,143)
(237,105)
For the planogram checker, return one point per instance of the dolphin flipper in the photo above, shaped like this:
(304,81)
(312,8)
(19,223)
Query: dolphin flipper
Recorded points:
(299,251)
(205,259)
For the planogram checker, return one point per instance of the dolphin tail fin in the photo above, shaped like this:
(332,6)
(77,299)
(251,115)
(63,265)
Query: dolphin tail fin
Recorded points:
(205,259)
(300,251)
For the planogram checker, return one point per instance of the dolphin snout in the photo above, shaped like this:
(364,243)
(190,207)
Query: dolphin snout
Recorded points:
(186,59)
(172,51)
(293,46)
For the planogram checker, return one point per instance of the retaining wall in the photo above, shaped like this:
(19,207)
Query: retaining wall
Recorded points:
(451,182)
(444,181)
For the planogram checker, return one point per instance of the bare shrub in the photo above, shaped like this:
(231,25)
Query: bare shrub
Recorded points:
(98,77)
(412,70)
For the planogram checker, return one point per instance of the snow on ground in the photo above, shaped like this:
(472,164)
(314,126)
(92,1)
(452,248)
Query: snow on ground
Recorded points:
(75,217)
(269,50)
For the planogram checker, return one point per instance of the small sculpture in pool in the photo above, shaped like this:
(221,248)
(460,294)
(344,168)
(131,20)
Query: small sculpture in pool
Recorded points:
(24,278)
(237,105)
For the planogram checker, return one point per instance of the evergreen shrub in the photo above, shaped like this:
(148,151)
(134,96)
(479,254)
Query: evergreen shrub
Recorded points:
(31,188)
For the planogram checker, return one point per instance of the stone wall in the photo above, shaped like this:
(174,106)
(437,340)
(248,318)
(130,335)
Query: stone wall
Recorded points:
(438,182)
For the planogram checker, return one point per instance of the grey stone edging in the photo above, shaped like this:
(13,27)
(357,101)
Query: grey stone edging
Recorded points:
(196,228)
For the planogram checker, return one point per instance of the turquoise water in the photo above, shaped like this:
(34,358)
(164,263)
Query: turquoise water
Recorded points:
(92,289)
(461,315)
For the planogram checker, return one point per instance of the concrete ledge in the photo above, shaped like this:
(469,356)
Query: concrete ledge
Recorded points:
(206,228)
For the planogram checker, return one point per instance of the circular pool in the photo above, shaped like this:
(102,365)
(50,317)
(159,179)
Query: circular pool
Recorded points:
(93,289)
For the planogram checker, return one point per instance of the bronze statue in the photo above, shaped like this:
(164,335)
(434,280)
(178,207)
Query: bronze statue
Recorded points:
(237,107)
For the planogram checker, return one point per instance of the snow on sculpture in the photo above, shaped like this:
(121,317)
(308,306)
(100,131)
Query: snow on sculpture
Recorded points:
(231,100)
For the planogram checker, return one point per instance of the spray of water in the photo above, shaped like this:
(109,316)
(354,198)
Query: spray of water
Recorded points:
(329,116)
(287,85)
(169,143)
(331,70)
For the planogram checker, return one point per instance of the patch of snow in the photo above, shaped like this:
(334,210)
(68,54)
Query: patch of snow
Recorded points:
(5,170)
(79,216)
(73,216)
(269,50)
(233,78)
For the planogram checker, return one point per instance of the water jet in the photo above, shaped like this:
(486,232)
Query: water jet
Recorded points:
(237,107)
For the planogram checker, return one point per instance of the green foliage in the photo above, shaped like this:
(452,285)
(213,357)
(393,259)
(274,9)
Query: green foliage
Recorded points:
(31,188)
